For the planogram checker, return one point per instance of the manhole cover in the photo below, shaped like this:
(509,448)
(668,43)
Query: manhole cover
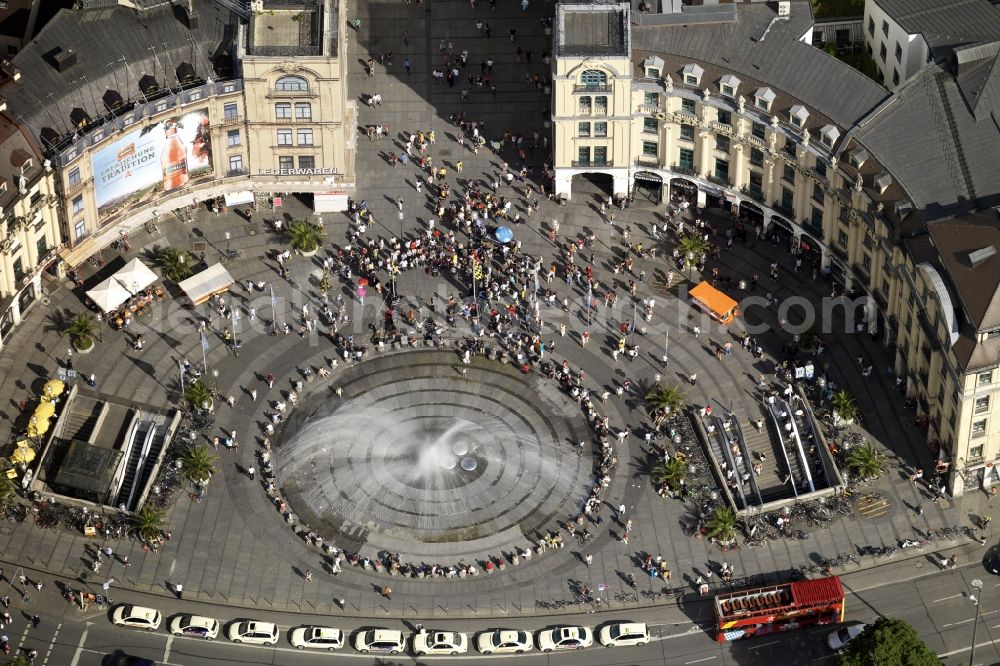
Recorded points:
(872,506)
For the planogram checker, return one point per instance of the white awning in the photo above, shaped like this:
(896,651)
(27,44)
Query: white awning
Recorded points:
(238,198)
(109,294)
(201,287)
(330,202)
(135,276)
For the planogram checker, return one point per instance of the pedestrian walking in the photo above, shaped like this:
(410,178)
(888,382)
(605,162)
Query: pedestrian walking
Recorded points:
(693,377)
(588,560)
(251,472)
(407,65)
(179,590)
(621,510)
(253,395)
(387,592)
(35,621)
(308,575)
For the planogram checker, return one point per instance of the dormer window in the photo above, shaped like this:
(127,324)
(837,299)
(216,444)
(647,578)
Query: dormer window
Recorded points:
(728,85)
(857,157)
(763,98)
(652,73)
(797,115)
(829,135)
(653,67)
(882,182)
(692,74)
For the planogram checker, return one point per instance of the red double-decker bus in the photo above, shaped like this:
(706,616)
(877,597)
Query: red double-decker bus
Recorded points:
(766,610)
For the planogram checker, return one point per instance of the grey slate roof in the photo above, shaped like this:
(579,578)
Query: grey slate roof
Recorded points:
(586,29)
(801,71)
(946,23)
(100,36)
(934,146)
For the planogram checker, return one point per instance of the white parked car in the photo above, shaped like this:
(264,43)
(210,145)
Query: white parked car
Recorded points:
(847,633)
(137,617)
(195,625)
(440,642)
(565,638)
(389,641)
(251,631)
(624,633)
(326,638)
(503,641)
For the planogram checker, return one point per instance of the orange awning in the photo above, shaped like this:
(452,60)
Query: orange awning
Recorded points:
(713,299)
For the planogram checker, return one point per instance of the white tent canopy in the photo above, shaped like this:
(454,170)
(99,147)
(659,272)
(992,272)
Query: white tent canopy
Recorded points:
(213,280)
(135,276)
(109,294)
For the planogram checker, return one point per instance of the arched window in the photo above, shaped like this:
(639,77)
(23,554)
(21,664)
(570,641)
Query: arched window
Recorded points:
(292,84)
(593,78)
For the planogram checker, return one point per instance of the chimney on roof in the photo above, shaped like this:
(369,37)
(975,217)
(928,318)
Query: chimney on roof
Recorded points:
(64,60)
(977,257)
(784,8)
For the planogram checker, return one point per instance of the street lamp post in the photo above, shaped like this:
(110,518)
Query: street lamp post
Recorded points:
(228,236)
(977,584)
(690,261)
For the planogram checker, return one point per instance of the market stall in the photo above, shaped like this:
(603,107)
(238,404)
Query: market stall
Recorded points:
(213,280)
(716,304)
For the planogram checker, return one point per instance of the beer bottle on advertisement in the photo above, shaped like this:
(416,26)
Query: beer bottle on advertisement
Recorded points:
(174,160)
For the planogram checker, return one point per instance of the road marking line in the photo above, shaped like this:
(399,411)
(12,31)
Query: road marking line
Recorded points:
(946,598)
(953,652)
(52,644)
(79,646)
(754,647)
(955,624)
(166,649)
(698,661)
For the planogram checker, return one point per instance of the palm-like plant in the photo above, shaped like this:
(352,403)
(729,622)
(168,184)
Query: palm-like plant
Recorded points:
(867,461)
(844,405)
(693,249)
(82,330)
(671,472)
(668,398)
(198,394)
(148,522)
(174,263)
(6,489)
(198,464)
(722,524)
(305,236)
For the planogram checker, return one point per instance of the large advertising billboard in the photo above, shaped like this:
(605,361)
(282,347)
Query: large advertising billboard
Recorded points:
(156,159)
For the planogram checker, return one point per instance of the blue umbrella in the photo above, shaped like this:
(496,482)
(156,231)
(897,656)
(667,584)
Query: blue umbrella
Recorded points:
(504,234)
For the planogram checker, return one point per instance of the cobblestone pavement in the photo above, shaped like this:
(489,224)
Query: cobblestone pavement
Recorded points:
(235,548)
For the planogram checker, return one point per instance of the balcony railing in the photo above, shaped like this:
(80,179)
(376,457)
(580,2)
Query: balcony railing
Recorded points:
(724,182)
(755,194)
(274,92)
(592,89)
(647,160)
(230,120)
(683,170)
(577,163)
(233,173)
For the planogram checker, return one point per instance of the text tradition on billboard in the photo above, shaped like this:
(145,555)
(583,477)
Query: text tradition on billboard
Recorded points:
(152,161)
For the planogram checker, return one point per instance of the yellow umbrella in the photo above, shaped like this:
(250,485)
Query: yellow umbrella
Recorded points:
(23,453)
(53,387)
(37,427)
(45,410)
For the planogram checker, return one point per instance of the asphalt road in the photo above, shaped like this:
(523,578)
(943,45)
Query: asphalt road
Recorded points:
(937,604)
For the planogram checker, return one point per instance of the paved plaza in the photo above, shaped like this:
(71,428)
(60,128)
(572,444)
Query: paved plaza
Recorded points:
(519,432)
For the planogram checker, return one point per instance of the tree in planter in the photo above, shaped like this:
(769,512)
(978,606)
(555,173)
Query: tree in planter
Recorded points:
(148,523)
(198,464)
(175,264)
(198,394)
(844,405)
(722,524)
(671,473)
(668,398)
(866,461)
(888,642)
(305,236)
(82,330)
(692,246)
(19,660)
(6,490)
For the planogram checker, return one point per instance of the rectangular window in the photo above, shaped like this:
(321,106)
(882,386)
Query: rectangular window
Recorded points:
(691,79)
(787,199)
(821,168)
(18,270)
(583,155)
(756,183)
(722,143)
(688,106)
(866,261)
(895,77)
(728,91)
(881,53)
(307,162)
(759,130)
(885,28)
(80,230)
(818,194)
(722,169)
(975,452)
(585,103)
(650,149)
(236,163)
(74,176)
(756,157)
(984,378)
(725,117)
(871,26)
(763,104)
(600,155)
(982,404)
(651,99)
(583,129)
(650,126)
(788,173)
(899,52)
(979,428)
(600,129)
(602,103)
(42,245)
(78,204)
(286,162)
(790,147)
(229,87)
(284,136)
(816,220)
(283,110)
(685,159)
(653,73)
(687,132)
(842,238)
(303,111)
(232,138)
(304,136)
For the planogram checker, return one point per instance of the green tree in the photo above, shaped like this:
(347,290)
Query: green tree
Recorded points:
(888,642)
(844,405)
(198,394)
(671,472)
(82,330)
(6,489)
(19,660)
(198,464)
(722,524)
(174,263)
(305,236)
(669,398)
(148,523)
(867,461)
(693,249)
